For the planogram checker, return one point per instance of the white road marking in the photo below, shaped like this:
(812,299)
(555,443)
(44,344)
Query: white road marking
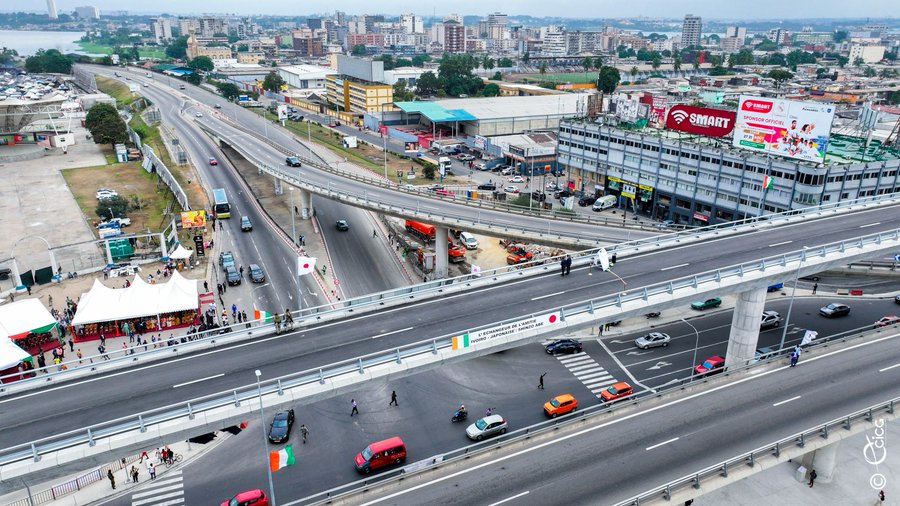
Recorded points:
(548,295)
(392,332)
(199,380)
(674,267)
(889,368)
(661,444)
(780,244)
(511,498)
(785,401)
(870,225)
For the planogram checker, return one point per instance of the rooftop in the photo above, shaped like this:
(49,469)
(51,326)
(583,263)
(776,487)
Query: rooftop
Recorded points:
(470,109)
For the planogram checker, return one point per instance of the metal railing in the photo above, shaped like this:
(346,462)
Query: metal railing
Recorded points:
(71,486)
(626,303)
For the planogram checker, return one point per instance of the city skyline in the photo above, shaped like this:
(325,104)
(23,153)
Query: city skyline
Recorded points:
(708,9)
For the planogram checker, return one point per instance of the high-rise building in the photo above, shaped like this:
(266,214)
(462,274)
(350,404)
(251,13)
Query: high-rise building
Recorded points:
(162,30)
(736,31)
(51,9)
(88,12)
(412,23)
(454,37)
(210,26)
(453,17)
(314,23)
(497,19)
(691,30)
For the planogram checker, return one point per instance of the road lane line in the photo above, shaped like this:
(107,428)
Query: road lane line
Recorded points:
(870,225)
(548,295)
(785,401)
(889,368)
(674,267)
(780,244)
(198,380)
(392,332)
(661,444)
(511,498)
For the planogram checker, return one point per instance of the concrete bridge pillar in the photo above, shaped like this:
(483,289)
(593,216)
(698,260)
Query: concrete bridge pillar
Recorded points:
(823,460)
(745,327)
(440,252)
(306,208)
(279,189)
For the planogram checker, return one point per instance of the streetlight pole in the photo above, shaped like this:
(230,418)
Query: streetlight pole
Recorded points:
(696,346)
(384,144)
(293,224)
(309,137)
(262,425)
(787,318)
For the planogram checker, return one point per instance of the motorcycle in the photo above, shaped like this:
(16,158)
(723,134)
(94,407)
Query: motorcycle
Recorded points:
(458,417)
(654,314)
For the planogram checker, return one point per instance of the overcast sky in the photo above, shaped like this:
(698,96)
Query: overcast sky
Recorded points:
(747,9)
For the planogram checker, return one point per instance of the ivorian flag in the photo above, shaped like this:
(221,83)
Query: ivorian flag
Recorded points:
(281,458)
(767,182)
(259,314)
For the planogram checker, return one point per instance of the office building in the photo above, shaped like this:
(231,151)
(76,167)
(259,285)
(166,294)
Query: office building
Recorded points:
(314,23)
(358,86)
(869,54)
(412,23)
(736,31)
(51,9)
(454,37)
(308,46)
(691,31)
(87,12)
(211,26)
(162,30)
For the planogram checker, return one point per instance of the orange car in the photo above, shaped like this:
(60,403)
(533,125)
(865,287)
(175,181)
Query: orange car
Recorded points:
(616,391)
(560,405)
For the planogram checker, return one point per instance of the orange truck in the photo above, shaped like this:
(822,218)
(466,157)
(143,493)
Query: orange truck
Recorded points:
(421,230)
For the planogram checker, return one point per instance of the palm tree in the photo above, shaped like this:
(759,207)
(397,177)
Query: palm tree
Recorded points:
(633,71)
(543,68)
(587,63)
(676,64)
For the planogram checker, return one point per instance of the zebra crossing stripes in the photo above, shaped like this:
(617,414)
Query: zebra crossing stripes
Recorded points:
(166,490)
(587,371)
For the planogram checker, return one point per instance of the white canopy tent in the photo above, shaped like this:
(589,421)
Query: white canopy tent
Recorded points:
(181,253)
(104,304)
(10,354)
(19,318)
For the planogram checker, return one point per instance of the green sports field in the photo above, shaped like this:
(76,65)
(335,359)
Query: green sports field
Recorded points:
(565,77)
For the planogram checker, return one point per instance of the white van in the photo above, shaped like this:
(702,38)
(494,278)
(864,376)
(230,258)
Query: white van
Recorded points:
(468,240)
(604,203)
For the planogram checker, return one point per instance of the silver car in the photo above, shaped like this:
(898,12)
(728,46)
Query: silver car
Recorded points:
(486,427)
(652,340)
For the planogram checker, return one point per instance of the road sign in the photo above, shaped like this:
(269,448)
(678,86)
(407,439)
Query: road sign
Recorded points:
(337,282)
(897,258)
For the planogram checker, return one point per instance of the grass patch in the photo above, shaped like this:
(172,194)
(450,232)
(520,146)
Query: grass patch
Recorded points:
(560,78)
(116,89)
(143,52)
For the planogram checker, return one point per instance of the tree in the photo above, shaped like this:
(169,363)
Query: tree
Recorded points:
(491,90)
(402,62)
(7,55)
(869,72)
(50,61)
(273,82)
(587,63)
(105,124)
(778,59)
(203,63)
(743,57)
(843,61)
(419,60)
(840,36)
(887,73)
(633,71)
(497,76)
(719,70)
(428,171)
(696,61)
(177,49)
(526,57)
(608,79)
(779,76)
(228,90)
(243,48)
(858,62)
(387,60)
(113,207)
(656,63)
(767,45)
(358,50)
(428,84)
(676,64)
(505,63)
(193,78)
(401,92)
(543,68)
(821,72)
(455,74)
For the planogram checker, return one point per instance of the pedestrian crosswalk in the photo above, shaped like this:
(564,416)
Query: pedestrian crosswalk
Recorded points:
(165,490)
(588,371)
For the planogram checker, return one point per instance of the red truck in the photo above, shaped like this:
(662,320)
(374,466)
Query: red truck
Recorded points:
(421,230)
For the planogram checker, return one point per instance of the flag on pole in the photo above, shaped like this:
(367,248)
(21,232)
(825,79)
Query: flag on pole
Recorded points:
(281,458)
(602,259)
(767,182)
(259,314)
(808,337)
(305,265)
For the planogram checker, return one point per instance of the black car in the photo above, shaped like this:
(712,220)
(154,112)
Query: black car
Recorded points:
(257,275)
(897,299)
(232,275)
(564,346)
(292,161)
(280,429)
(587,201)
(834,309)
(487,186)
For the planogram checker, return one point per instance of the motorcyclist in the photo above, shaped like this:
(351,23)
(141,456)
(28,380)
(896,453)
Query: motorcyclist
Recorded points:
(461,412)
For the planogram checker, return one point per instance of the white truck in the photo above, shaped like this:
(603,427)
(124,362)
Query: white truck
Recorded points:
(115,222)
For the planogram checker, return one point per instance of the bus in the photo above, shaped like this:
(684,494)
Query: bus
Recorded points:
(221,209)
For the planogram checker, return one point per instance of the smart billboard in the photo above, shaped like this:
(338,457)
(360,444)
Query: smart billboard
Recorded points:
(788,128)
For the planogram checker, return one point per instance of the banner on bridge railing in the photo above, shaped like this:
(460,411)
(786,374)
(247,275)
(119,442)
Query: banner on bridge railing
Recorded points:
(538,323)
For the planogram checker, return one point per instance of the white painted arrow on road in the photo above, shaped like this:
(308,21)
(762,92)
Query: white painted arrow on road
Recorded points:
(638,352)
(659,365)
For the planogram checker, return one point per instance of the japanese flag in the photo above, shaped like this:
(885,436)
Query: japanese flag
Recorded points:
(602,259)
(305,265)
(476,270)
(808,337)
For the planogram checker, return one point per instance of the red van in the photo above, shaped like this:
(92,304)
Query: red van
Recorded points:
(380,454)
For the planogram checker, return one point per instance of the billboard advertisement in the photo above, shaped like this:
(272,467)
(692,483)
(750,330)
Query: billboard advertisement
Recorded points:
(193,219)
(626,108)
(700,120)
(658,111)
(784,127)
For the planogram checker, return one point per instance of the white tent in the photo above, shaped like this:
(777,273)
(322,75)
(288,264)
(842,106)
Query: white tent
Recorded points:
(181,253)
(10,354)
(20,318)
(103,304)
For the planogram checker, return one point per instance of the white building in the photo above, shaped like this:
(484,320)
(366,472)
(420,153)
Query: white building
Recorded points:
(554,42)
(869,54)
(305,77)
(412,23)
(408,74)
(88,12)
(691,30)
(162,30)
(731,44)
(51,9)
(736,31)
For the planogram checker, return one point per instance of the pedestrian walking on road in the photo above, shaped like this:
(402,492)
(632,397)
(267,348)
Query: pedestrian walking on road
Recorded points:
(794,358)
(812,477)
(568,265)
(562,267)
(219,288)
(242,271)
(78,354)
(815,287)
(880,499)
(224,288)
(541,381)
(304,432)
(374,233)
(393,398)
(71,345)
(112,479)
(205,286)
(134,474)
(354,411)
(234,311)
(244,314)
(152,470)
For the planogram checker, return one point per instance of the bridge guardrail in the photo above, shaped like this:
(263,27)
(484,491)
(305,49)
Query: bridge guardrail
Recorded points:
(635,299)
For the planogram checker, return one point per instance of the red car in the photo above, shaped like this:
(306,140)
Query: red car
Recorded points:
(213,161)
(255,497)
(616,391)
(887,321)
(712,365)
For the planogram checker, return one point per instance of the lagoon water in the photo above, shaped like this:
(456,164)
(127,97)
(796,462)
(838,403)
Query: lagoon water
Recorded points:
(26,43)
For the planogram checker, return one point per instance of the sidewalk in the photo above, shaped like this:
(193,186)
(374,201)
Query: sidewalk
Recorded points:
(101,490)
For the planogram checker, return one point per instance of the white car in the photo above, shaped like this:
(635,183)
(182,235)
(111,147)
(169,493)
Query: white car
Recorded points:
(507,171)
(486,427)
(103,194)
(517,179)
(466,158)
(199,114)
(652,340)
(480,166)
(511,189)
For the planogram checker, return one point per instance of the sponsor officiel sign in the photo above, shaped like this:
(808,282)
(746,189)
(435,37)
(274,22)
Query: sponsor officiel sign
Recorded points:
(528,326)
(700,120)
